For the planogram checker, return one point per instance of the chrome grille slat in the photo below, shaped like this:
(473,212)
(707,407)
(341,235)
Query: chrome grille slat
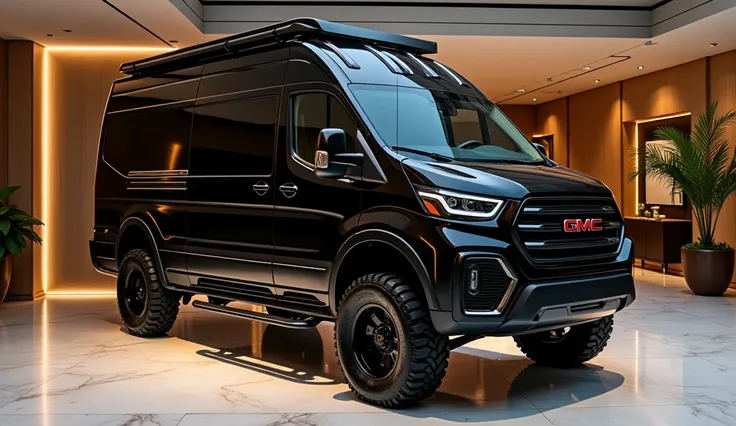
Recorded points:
(539,227)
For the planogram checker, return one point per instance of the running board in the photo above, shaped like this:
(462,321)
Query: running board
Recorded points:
(256,316)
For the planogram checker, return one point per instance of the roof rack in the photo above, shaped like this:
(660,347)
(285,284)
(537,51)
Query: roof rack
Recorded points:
(304,28)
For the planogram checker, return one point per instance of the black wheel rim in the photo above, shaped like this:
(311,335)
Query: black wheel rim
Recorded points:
(554,336)
(135,292)
(376,342)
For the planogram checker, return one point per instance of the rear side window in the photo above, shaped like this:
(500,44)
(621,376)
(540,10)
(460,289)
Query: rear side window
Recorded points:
(234,137)
(151,140)
(313,112)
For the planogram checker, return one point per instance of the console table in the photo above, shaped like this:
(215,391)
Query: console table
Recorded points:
(659,240)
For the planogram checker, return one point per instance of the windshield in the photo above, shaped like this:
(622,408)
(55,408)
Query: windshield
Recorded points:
(451,125)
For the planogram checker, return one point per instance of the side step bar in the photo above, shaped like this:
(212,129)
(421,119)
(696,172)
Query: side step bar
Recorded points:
(256,316)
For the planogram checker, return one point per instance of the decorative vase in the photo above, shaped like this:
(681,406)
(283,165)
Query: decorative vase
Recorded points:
(5,267)
(708,272)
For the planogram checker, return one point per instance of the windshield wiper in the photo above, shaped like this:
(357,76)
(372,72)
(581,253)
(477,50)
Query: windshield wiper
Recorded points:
(508,161)
(432,155)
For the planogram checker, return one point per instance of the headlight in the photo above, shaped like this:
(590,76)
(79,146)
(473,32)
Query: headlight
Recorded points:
(443,203)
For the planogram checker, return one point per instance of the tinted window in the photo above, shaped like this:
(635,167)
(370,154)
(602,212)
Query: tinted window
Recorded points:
(455,125)
(152,140)
(234,137)
(314,112)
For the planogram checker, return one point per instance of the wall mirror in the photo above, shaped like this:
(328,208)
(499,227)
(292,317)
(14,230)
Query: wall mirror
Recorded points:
(660,191)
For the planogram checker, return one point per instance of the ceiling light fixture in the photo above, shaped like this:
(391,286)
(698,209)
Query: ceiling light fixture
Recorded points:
(534,100)
(596,81)
(521,90)
(49,35)
(586,68)
(640,67)
(713,44)
(173,41)
(67,31)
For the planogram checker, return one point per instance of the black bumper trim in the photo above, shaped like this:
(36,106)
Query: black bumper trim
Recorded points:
(548,305)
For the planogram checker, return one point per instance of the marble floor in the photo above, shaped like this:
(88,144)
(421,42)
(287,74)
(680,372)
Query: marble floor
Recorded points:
(65,361)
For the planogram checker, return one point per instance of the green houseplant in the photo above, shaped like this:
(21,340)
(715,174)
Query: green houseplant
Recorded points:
(701,165)
(16,226)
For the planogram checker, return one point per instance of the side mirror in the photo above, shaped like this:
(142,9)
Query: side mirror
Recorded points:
(542,150)
(332,161)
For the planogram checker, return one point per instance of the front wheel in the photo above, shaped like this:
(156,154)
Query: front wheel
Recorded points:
(388,349)
(569,346)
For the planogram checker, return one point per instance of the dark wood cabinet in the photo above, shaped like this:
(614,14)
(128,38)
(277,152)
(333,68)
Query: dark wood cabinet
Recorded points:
(659,240)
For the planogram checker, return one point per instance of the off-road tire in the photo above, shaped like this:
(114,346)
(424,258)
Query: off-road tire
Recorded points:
(579,345)
(423,352)
(161,305)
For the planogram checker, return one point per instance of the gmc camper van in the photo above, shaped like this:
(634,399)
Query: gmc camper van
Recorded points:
(332,173)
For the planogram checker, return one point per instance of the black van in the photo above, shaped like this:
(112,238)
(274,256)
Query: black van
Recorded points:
(332,173)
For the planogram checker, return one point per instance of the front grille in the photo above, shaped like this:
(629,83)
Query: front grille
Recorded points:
(540,228)
(494,282)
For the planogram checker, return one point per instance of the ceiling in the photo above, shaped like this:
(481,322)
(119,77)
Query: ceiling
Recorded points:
(618,3)
(546,68)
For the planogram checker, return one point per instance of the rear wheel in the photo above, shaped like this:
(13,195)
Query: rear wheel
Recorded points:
(389,352)
(146,307)
(569,346)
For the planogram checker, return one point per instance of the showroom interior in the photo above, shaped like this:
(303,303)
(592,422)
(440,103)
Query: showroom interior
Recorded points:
(591,81)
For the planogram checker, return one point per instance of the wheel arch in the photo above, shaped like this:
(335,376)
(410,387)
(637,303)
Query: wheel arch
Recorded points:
(361,240)
(133,232)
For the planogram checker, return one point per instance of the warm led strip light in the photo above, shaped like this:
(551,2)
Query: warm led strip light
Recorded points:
(45,148)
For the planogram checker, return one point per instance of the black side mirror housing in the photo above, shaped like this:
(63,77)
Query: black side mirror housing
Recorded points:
(331,160)
(542,150)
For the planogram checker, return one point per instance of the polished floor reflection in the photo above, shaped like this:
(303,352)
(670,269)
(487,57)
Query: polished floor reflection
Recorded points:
(65,361)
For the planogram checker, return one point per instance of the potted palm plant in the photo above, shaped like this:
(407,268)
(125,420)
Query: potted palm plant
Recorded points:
(700,164)
(16,226)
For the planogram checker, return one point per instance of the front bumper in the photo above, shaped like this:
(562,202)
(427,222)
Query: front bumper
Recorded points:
(541,306)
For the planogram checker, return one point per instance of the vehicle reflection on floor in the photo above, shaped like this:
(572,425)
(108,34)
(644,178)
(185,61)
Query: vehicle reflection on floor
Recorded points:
(475,377)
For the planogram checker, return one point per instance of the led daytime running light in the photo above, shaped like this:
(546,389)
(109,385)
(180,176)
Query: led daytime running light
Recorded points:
(440,196)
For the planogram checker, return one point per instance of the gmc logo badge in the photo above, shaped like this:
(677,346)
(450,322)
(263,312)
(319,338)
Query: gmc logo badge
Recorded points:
(580,225)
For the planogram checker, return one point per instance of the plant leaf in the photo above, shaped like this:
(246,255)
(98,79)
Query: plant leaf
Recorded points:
(12,247)
(6,192)
(4,226)
(4,210)
(2,251)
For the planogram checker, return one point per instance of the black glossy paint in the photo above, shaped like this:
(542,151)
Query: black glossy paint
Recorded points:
(236,213)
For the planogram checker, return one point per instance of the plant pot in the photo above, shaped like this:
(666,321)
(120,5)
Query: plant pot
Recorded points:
(708,272)
(5,267)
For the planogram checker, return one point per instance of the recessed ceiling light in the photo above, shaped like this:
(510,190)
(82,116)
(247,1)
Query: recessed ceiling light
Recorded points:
(713,44)
(534,100)
(597,81)
(649,43)
(586,68)
(49,35)
(640,67)
(173,41)
(521,90)
(67,31)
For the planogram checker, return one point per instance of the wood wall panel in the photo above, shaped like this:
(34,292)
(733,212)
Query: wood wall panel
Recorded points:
(79,84)
(24,76)
(723,90)
(551,119)
(595,135)
(3,113)
(522,116)
(674,90)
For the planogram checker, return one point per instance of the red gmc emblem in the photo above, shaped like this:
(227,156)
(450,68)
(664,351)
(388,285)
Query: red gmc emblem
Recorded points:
(580,225)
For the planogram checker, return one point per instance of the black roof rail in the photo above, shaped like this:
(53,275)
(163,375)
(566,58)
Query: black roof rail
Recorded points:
(304,28)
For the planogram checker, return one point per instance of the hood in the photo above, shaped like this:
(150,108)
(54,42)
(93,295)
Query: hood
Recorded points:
(514,181)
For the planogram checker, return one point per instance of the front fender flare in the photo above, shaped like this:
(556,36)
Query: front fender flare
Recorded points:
(388,237)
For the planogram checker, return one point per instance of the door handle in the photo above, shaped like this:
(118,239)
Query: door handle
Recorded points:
(261,188)
(288,189)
